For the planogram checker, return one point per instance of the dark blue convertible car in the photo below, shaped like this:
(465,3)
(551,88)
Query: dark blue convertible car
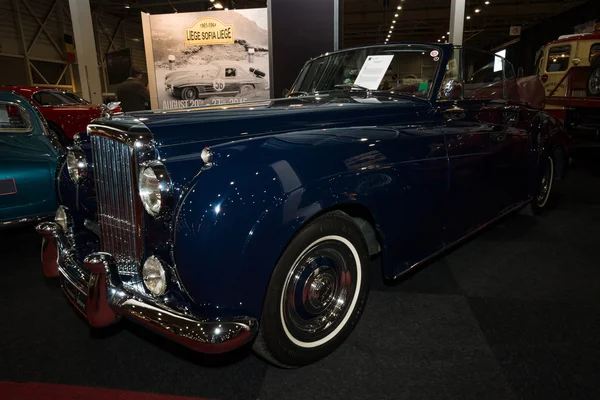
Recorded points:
(255,223)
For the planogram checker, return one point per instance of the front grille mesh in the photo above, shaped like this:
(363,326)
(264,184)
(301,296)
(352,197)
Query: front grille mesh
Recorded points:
(117,207)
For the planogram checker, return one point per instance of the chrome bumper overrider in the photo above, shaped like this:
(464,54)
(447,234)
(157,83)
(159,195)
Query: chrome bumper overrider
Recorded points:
(98,293)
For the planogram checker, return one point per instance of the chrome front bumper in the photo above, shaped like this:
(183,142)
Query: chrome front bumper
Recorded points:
(103,299)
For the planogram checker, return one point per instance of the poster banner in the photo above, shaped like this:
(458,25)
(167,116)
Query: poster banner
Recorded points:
(210,57)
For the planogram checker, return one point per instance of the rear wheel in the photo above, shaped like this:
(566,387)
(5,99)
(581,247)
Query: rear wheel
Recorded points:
(246,89)
(317,292)
(540,200)
(593,86)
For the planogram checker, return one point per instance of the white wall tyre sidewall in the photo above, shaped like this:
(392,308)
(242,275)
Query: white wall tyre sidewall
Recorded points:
(349,311)
(550,183)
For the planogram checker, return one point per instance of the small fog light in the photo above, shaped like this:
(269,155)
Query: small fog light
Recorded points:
(154,275)
(61,218)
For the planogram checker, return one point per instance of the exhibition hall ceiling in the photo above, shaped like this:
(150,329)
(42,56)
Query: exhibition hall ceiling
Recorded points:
(369,21)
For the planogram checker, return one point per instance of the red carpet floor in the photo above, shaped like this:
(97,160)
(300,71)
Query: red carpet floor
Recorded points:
(44,391)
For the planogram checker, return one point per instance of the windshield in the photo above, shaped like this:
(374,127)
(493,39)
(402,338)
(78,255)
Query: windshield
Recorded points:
(409,69)
(55,98)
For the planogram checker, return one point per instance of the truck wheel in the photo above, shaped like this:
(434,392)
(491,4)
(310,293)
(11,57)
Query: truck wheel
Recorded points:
(189,93)
(540,199)
(317,292)
(593,86)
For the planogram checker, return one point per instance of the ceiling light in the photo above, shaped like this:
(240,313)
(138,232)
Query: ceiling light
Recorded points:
(443,37)
(487,2)
(392,27)
(477,10)
(468,17)
(447,33)
(399,7)
(396,15)
(439,40)
(390,32)
(393,22)
(212,1)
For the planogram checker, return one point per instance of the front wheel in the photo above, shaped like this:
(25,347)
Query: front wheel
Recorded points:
(189,93)
(541,197)
(317,292)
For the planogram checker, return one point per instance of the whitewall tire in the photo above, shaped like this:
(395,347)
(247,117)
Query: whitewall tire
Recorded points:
(317,292)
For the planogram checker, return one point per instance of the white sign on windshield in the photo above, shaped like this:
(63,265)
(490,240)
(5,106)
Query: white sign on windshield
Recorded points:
(373,71)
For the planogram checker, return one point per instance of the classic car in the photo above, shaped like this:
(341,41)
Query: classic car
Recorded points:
(255,222)
(28,161)
(218,78)
(66,113)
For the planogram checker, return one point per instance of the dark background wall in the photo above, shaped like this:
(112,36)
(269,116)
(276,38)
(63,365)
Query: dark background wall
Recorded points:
(301,30)
(522,54)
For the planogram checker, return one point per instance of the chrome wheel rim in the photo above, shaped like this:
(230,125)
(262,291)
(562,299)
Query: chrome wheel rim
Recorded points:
(546,184)
(594,83)
(320,291)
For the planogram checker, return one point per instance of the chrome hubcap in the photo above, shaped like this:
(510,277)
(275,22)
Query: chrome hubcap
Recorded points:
(318,291)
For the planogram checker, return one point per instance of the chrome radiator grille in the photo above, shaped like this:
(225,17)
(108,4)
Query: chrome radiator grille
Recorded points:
(117,205)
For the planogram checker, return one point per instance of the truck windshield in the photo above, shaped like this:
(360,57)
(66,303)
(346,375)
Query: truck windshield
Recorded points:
(408,69)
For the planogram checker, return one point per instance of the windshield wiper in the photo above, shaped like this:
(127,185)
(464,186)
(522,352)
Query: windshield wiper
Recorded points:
(350,86)
(297,93)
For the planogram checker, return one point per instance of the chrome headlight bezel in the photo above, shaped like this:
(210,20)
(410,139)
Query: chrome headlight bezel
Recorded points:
(77,165)
(154,276)
(155,200)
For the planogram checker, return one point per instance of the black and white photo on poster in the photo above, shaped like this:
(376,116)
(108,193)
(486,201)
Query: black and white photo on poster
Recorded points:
(211,57)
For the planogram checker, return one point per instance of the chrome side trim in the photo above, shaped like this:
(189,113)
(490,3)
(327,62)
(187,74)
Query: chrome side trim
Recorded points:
(459,241)
(24,221)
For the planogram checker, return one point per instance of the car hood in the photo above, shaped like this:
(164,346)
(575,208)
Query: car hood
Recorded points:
(188,130)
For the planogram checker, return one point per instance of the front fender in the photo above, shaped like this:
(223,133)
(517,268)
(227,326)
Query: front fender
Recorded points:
(240,214)
(241,224)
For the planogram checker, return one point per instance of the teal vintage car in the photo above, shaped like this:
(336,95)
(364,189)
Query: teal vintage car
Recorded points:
(28,160)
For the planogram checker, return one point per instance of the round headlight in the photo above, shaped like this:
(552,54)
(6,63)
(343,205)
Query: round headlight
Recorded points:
(61,218)
(154,275)
(76,165)
(155,187)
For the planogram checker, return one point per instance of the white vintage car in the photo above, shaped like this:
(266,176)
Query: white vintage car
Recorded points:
(218,78)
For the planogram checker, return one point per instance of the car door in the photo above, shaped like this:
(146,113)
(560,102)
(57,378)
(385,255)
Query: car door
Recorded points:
(26,179)
(476,136)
